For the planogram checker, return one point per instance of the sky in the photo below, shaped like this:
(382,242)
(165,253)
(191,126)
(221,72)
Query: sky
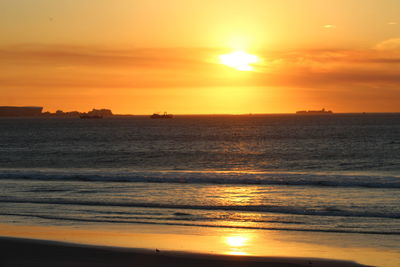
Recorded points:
(146,56)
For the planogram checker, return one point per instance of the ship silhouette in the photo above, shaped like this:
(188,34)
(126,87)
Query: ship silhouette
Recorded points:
(314,112)
(163,116)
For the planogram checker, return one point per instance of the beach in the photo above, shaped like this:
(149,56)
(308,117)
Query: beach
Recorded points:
(29,252)
(153,245)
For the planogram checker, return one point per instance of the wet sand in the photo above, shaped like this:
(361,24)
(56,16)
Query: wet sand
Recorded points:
(32,252)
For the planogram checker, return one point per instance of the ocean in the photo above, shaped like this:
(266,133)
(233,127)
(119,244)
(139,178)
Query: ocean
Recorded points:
(338,173)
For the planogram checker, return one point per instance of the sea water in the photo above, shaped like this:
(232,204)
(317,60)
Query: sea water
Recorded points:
(334,173)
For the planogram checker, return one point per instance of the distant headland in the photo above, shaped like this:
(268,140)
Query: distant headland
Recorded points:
(9,111)
(30,111)
(37,111)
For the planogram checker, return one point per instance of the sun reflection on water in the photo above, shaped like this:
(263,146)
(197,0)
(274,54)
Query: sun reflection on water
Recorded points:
(237,244)
(236,241)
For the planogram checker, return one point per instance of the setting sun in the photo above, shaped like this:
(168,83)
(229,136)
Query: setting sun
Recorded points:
(238,60)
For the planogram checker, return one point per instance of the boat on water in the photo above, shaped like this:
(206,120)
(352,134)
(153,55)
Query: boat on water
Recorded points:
(91,117)
(314,112)
(161,116)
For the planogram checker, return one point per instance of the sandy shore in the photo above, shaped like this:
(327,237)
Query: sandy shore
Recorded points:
(31,252)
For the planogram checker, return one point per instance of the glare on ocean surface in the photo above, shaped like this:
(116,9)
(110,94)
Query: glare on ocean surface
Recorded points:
(236,241)
(237,244)
(238,60)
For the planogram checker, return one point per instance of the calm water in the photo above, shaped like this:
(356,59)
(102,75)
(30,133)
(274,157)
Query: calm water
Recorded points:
(324,174)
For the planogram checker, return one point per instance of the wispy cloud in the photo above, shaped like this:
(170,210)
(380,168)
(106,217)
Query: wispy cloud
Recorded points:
(91,67)
(329,26)
(389,45)
(100,57)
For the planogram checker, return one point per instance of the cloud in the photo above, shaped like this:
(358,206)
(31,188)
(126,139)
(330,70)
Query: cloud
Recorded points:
(389,45)
(102,57)
(93,67)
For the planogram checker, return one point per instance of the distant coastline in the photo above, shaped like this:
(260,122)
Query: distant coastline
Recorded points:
(31,111)
(10,111)
(36,111)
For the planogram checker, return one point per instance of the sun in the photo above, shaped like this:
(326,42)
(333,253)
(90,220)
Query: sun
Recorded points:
(238,60)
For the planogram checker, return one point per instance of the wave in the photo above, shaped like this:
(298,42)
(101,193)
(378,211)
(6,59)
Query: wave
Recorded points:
(209,177)
(242,208)
(94,220)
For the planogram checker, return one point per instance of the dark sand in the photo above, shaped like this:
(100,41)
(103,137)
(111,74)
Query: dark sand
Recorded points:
(29,252)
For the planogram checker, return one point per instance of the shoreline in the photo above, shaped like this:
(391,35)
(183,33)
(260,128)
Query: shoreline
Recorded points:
(23,244)
(36,252)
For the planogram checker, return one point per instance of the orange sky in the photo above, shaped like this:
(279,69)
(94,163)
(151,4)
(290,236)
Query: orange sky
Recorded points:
(148,56)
